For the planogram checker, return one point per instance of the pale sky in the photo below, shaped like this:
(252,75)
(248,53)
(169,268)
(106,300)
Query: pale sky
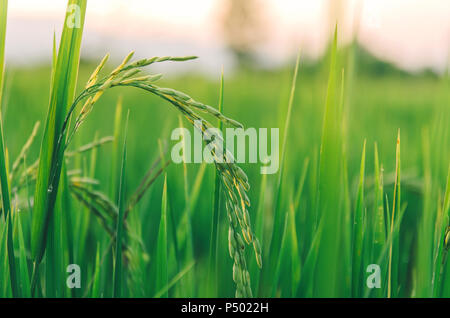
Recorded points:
(413,34)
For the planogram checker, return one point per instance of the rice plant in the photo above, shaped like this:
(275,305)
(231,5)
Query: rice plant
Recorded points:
(355,209)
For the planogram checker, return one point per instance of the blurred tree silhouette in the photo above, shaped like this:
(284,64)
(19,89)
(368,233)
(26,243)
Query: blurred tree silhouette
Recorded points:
(243,28)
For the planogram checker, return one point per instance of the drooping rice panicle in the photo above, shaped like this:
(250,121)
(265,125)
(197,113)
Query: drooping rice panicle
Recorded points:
(24,151)
(234,179)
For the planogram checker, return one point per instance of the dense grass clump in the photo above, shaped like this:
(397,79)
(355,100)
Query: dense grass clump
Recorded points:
(364,180)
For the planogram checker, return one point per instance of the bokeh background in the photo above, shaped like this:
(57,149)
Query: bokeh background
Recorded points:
(412,34)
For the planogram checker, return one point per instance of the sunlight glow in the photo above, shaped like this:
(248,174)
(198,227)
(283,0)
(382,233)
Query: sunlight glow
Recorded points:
(411,33)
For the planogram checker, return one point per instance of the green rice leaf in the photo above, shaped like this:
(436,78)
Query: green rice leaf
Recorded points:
(161,259)
(118,266)
(358,231)
(51,156)
(330,189)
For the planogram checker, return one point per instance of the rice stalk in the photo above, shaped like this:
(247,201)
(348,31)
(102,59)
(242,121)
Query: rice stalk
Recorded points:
(90,146)
(25,286)
(96,208)
(213,248)
(359,225)
(161,253)
(174,280)
(233,178)
(145,184)
(330,189)
(23,151)
(118,267)
(392,269)
(51,157)
(4,184)
(115,159)
(279,217)
(379,223)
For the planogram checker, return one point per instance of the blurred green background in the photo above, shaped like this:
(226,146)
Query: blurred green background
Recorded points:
(383,99)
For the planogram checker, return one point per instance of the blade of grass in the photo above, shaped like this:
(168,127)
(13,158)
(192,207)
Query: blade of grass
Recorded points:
(162,278)
(116,149)
(4,268)
(279,217)
(281,259)
(65,218)
(213,248)
(85,215)
(379,233)
(392,268)
(358,231)
(259,230)
(13,270)
(185,172)
(441,273)
(426,226)
(174,280)
(184,230)
(96,280)
(289,261)
(389,239)
(57,248)
(62,94)
(307,277)
(344,280)
(330,189)
(4,185)
(25,286)
(23,152)
(118,266)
